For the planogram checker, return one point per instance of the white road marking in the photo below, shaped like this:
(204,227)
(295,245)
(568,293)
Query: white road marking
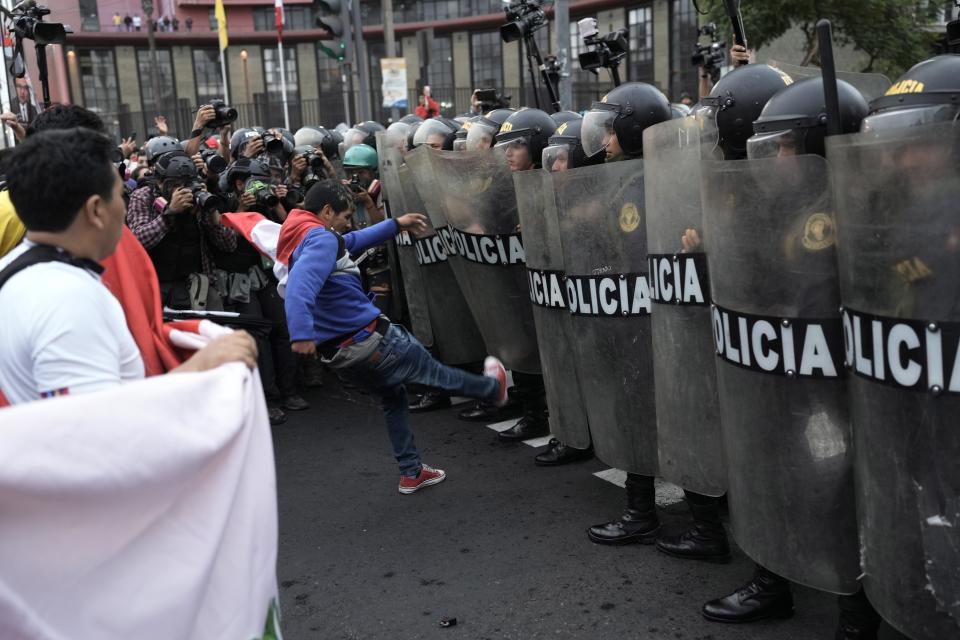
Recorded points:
(538,442)
(503,426)
(667,493)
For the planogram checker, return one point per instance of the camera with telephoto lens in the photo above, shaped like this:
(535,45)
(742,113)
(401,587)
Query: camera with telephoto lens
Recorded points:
(208,202)
(224,114)
(315,171)
(272,143)
(260,190)
(293,198)
(604,51)
(27,22)
(710,56)
(354,184)
(213,161)
(524,18)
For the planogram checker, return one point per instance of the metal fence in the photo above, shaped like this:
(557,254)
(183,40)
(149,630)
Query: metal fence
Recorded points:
(328,110)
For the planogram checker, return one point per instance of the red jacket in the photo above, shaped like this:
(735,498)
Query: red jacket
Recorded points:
(432,110)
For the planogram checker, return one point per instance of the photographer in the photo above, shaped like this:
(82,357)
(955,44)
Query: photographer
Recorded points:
(178,227)
(247,285)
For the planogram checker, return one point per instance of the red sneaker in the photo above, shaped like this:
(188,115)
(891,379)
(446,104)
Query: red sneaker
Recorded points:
(428,476)
(493,368)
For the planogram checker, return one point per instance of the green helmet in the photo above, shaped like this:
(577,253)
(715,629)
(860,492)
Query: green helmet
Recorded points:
(361,155)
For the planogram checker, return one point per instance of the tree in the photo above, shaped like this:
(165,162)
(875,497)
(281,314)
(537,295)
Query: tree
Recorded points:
(892,34)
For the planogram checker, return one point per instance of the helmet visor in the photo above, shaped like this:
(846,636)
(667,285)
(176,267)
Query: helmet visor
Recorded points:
(597,130)
(480,136)
(432,133)
(776,144)
(556,157)
(460,144)
(351,138)
(901,118)
(517,153)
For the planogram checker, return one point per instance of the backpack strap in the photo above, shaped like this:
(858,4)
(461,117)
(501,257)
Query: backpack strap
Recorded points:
(45,253)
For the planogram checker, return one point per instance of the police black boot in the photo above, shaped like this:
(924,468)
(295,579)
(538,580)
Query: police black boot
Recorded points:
(486,412)
(558,453)
(766,596)
(639,522)
(533,424)
(430,401)
(858,619)
(706,539)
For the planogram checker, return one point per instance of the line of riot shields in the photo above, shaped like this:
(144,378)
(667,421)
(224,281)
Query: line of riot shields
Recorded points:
(783,330)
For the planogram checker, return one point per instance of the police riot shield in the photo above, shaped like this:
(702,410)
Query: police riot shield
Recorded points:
(603,236)
(472,193)
(536,204)
(897,194)
(871,85)
(456,337)
(771,240)
(390,156)
(688,412)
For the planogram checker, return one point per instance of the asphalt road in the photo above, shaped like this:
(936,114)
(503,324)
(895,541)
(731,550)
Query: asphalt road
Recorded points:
(500,545)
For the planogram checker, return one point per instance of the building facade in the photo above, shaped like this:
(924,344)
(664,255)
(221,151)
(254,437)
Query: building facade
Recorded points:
(109,68)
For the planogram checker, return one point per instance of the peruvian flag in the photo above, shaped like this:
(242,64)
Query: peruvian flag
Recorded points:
(278,16)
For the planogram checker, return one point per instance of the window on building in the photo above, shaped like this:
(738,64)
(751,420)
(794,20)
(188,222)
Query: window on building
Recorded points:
(164,73)
(330,88)
(640,66)
(683,35)
(271,72)
(206,71)
(98,80)
(89,16)
(371,12)
(295,18)
(486,60)
(212,17)
(441,65)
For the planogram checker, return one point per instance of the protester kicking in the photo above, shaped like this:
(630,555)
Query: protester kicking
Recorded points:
(330,315)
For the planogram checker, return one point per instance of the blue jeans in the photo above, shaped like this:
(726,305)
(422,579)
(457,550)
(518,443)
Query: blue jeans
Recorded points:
(399,359)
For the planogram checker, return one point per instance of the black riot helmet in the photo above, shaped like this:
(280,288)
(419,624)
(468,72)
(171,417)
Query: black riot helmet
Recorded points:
(736,101)
(159,146)
(483,130)
(371,128)
(460,140)
(626,111)
(437,133)
(565,151)
(410,118)
(794,121)
(929,92)
(564,116)
(529,129)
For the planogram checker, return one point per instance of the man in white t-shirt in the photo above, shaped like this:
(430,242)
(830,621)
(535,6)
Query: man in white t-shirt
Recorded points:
(62,331)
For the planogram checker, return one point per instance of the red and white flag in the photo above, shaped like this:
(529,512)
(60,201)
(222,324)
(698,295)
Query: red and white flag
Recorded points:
(278,16)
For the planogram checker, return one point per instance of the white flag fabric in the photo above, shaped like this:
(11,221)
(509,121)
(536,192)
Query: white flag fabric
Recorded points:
(147,511)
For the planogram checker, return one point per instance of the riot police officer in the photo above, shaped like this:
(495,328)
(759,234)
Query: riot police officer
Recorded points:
(792,123)
(483,130)
(613,130)
(522,138)
(563,152)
